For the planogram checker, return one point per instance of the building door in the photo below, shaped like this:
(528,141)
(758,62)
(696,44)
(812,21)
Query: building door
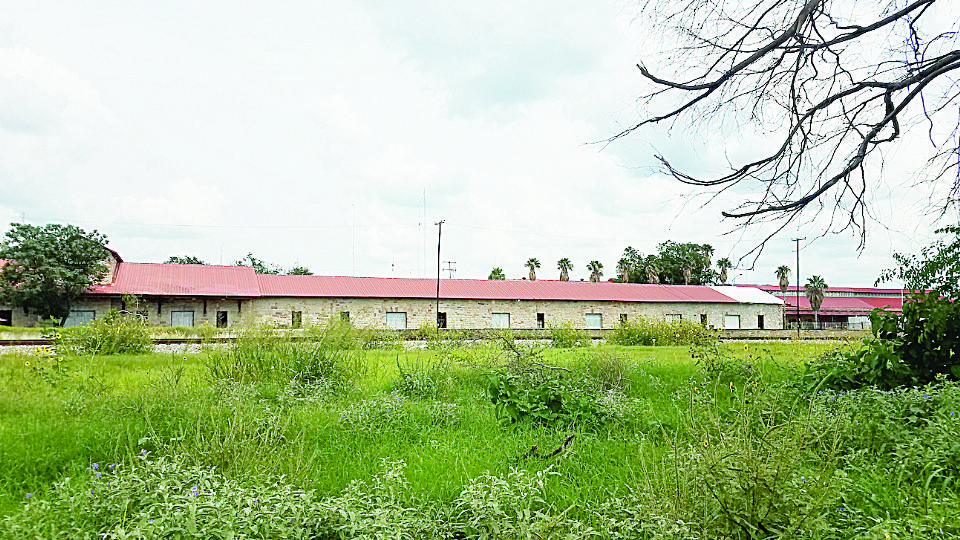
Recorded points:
(541,321)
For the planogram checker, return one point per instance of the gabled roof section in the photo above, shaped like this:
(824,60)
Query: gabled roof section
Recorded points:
(182,280)
(483,289)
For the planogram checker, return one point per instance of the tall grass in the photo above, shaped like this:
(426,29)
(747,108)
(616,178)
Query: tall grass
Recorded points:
(411,446)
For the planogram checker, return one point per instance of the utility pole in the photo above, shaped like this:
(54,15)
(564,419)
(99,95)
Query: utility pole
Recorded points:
(439,225)
(797,240)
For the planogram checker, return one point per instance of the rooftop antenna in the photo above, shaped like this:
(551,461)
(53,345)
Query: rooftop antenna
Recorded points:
(451,268)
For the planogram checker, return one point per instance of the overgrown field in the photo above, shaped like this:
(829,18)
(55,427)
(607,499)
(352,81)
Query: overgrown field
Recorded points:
(348,438)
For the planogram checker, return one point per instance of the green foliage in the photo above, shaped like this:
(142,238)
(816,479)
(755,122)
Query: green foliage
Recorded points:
(567,336)
(670,260)
(113,333)
(497,274)
(657,331)
(261,354)
(49,267)
(186,259)
(299,271)
(937,268)
(259,265)
(919,347)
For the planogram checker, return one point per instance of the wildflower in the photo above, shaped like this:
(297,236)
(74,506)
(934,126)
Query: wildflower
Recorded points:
(755,383)
(195,490)
(27,363)
(143,451)
(98,474)
(745,346)
(112,465)
(108,483)
(57,335)
(939,375)
(731,387)
(29,495)
(96,466)
(925,396)
(91,491)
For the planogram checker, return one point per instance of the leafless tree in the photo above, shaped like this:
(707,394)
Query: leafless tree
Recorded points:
(832,82)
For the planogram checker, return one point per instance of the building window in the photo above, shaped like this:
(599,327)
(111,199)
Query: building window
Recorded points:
(221,319)
(623,318)
(500,320)
(6,317)
(703,319)
(760,322)
(80,317)
(397,320)
(594,321)
(541,321)
(181,318)
(345,316)
(442,319)
(673,317)
(296,319)
(731,322)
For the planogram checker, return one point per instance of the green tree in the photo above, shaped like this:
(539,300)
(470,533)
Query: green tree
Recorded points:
(259,265)
(47,268)
(624,267)
(937,268)
(497,273)
(815,287)
(596,271)
(674,260)
(186,259)
(532,263)
(724,264)
(564,265)
(298,271)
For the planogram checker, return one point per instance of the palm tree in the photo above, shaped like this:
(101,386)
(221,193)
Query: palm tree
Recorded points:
(687,272)
(564,265)
(596,271)
(624,265)
(724,264)
(815,288)
(653,275)
(532,263)
(497,273)
(783,274)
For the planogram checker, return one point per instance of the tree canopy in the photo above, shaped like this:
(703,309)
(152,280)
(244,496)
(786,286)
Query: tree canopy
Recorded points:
(669,262)
(832,84)
(937,268)
(497,273)
(47,268)
(259,265)
(186,259)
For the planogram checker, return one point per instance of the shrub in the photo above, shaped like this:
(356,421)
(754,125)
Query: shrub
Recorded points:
(656,331)
(919,347)
(114,333)
(567,336)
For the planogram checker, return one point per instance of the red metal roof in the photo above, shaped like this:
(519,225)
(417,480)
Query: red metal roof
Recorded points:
(182,280)
(842,305)
(482,289)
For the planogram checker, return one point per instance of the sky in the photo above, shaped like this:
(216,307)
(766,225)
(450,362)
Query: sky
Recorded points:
(335,135)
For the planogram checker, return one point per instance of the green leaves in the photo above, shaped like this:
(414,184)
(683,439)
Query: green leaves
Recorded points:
(49,267)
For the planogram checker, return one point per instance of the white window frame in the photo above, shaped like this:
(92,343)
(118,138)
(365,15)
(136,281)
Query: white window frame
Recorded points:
(174,315)
(731,318)
(594,321)
(396,320)
(499,320)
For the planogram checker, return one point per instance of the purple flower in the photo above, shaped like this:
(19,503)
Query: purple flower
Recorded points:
(143,451)
(99,474)
(29,495)
(108,483)
(96,466)
(925,396)
(195,490)
(91,491)
(112,465)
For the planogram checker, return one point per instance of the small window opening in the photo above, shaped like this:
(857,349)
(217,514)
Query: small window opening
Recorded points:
(296,319)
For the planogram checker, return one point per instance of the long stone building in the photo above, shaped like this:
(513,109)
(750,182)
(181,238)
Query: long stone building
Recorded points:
(224,296)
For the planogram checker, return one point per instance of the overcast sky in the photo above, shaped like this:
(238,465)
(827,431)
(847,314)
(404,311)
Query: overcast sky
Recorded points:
(335,134)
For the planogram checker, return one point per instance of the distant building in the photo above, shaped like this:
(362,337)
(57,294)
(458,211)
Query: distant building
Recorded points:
(223,296)
(843,307)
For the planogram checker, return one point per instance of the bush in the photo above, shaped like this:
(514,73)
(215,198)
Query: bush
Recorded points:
(920,347)
(656,331)
(114,333)
(567,336)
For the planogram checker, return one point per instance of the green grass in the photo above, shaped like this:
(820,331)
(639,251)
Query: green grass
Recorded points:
(410,442)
